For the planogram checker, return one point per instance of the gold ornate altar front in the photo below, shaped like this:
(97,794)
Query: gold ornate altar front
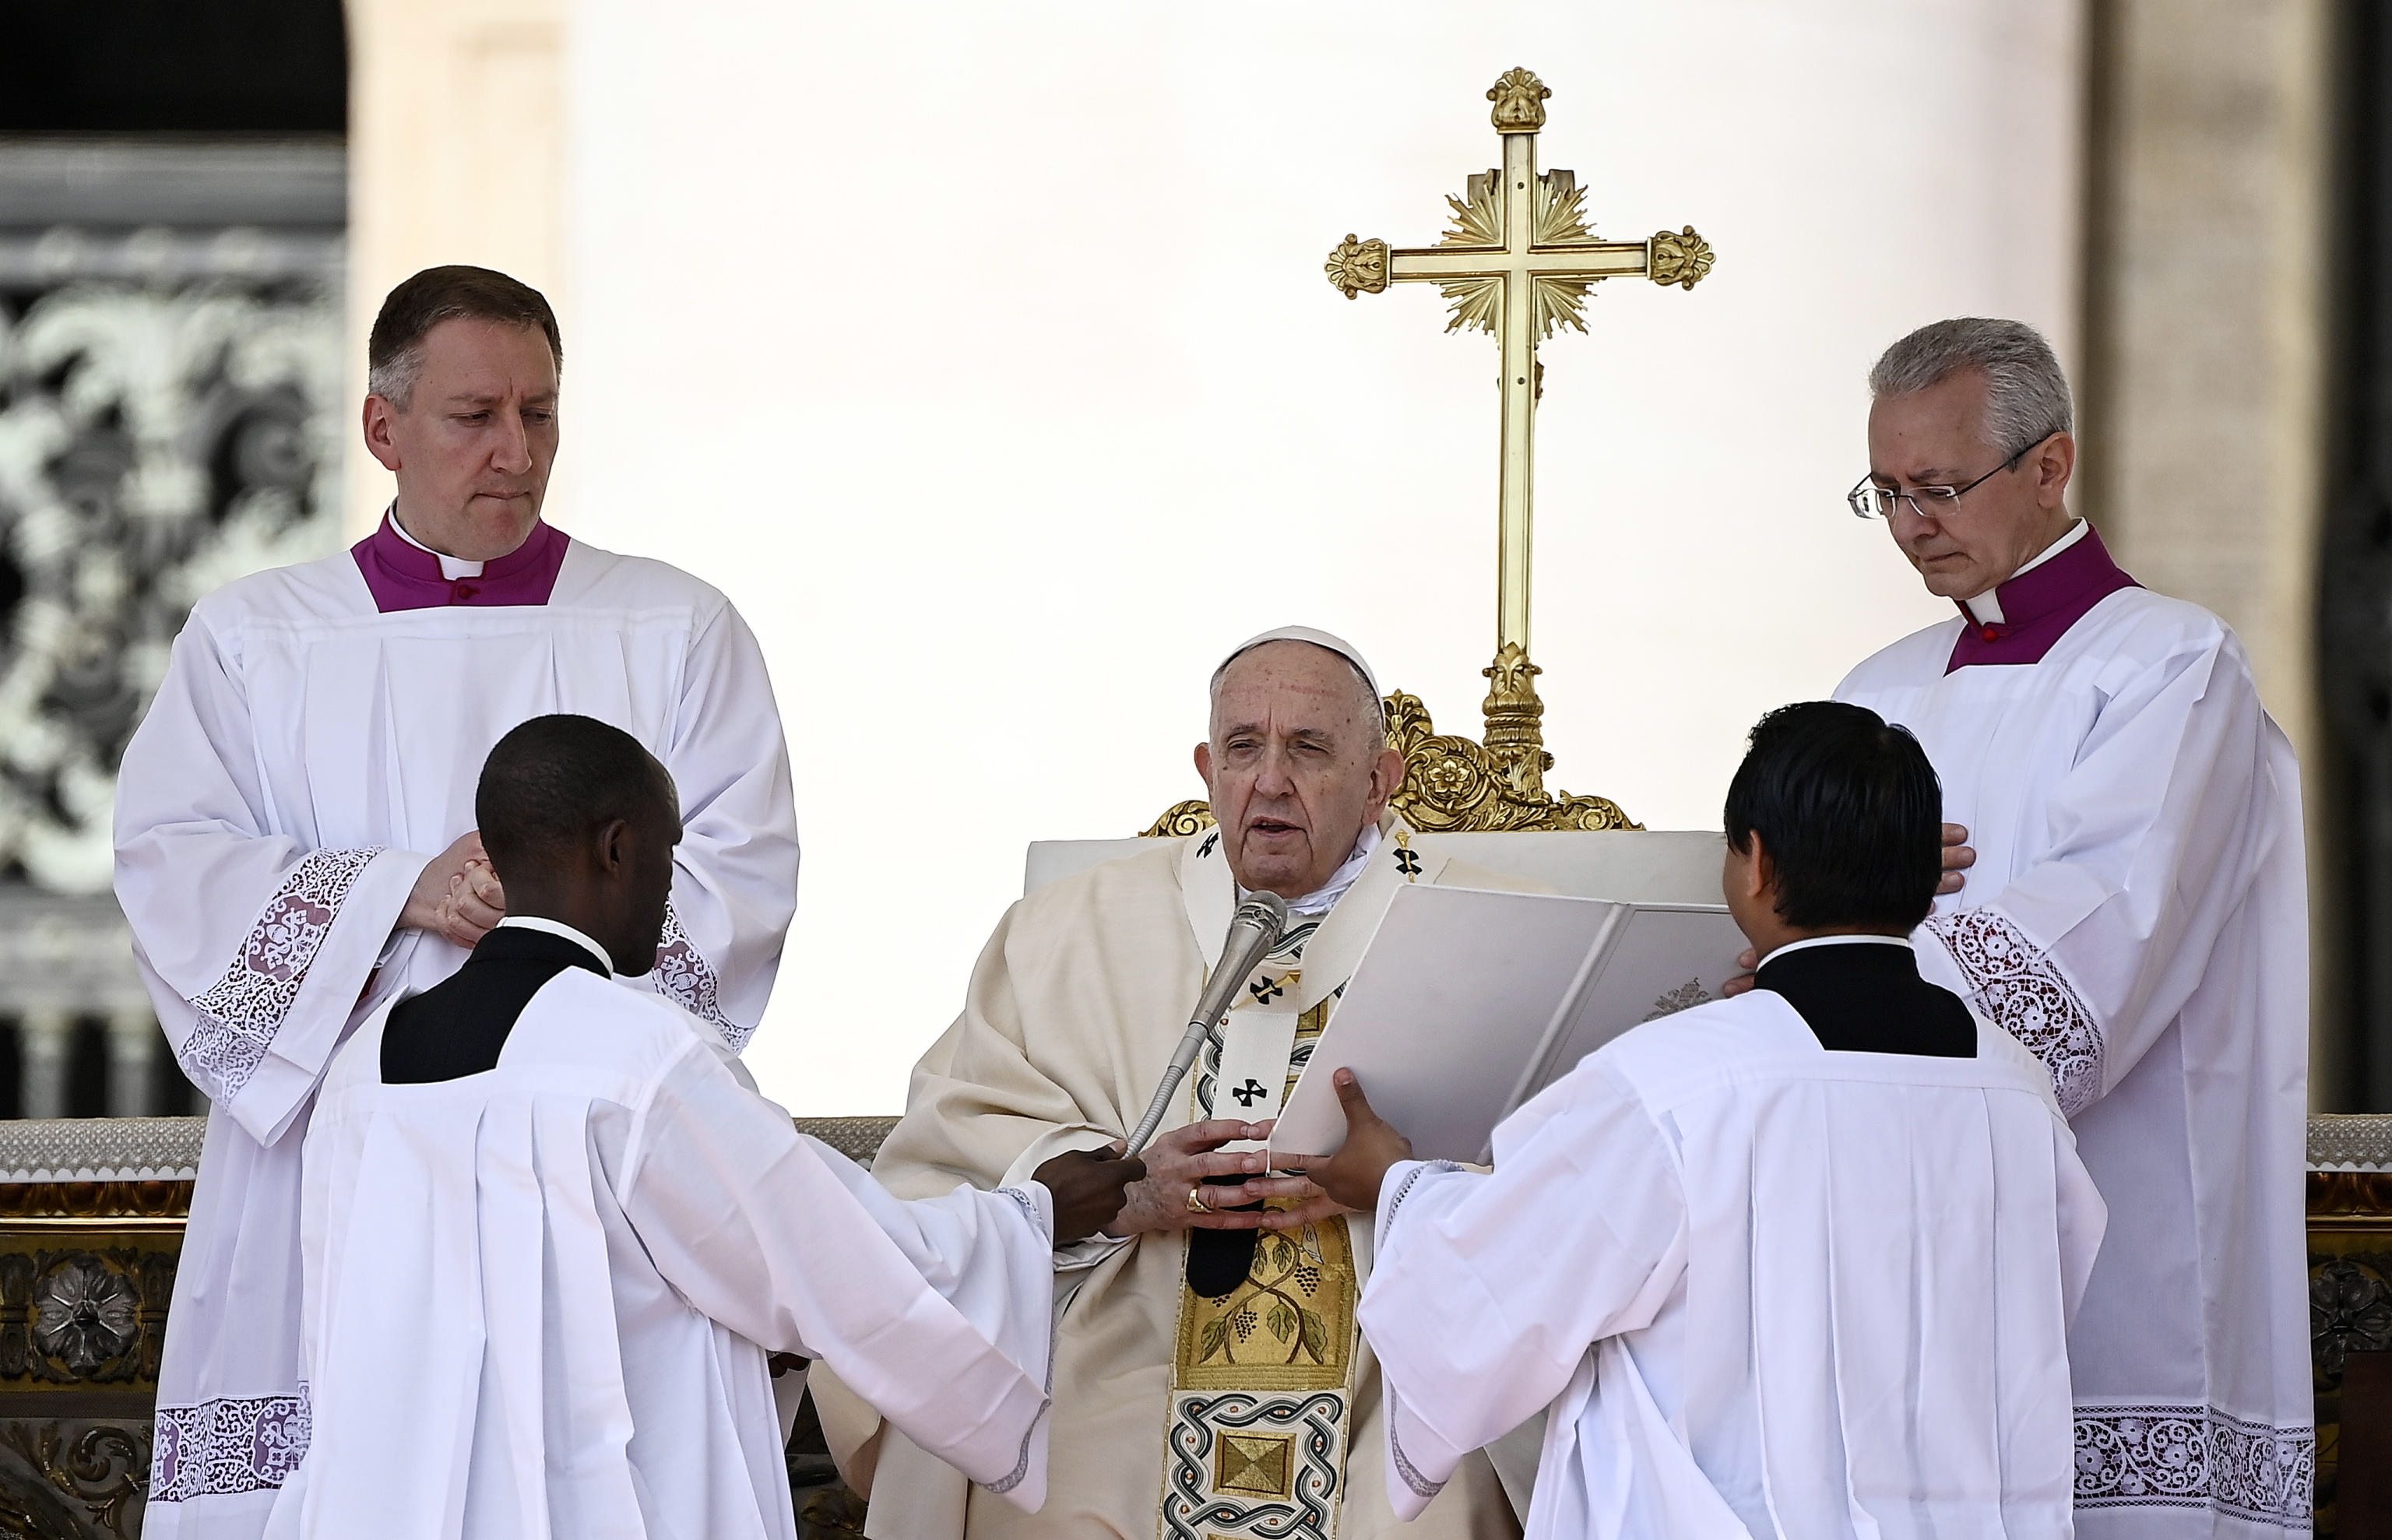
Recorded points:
(1517,262)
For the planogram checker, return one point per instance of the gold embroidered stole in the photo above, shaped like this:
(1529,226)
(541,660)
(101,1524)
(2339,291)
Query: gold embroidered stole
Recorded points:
(1262,1398)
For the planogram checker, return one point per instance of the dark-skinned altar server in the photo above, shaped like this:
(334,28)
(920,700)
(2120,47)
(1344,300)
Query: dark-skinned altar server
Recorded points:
(2137,915)
(1798,1263)
(294,824)
(552,1231)
(1246,1409)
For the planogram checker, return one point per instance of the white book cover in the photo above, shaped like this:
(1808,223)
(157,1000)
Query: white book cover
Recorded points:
(1467,1003)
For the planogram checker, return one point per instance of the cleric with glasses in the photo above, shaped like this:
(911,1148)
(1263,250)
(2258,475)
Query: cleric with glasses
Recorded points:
(2135,914)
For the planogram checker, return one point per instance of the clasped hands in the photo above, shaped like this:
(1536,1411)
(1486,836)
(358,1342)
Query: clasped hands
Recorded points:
(1313,1188)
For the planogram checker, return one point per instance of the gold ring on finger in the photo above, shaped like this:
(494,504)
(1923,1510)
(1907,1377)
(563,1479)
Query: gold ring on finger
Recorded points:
(1196,1202)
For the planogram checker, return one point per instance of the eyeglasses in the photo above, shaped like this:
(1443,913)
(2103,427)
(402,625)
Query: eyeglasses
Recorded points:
(1868,500)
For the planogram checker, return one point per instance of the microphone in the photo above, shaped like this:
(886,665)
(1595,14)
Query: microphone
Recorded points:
(1253,929)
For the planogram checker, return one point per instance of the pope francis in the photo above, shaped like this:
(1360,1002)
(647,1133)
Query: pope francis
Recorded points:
(1233,1414)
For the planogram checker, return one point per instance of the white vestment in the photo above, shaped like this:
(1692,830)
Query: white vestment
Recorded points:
(1778,1292)
(305,756)
(539,1297)
(2137,916)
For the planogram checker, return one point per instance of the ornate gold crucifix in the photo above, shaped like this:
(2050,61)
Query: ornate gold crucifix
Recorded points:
(1517,263)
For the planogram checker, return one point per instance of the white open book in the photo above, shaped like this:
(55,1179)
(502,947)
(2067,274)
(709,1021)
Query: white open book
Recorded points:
(1468,1003)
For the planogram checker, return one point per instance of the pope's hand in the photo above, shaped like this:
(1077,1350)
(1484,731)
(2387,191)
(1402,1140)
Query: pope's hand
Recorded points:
(1350,1178)
(1177,1164)
(458,895)
(1088,1187)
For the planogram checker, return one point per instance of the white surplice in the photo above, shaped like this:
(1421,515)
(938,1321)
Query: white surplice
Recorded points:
(2137,916)
(539,1297)
(305,756)
(1770,1290)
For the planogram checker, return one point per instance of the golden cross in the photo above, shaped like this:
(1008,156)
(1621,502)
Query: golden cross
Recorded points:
(1517,263)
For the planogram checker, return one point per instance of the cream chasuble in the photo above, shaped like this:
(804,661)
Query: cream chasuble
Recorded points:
(1176,1416)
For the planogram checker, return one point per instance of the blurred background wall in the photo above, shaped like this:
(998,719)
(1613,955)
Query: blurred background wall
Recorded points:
(984,357)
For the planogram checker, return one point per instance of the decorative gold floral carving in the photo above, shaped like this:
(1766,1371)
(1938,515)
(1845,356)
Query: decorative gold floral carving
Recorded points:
(1683,259)
(86,1315)
(1452,784)
(1357,266)
(1519,100)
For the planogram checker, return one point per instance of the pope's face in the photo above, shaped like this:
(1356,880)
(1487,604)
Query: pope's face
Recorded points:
(1935,437)
(473,447)
(1297,763)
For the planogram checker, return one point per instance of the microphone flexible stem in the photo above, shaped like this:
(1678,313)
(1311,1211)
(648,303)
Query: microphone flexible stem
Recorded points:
(1190,1046)
(1253,929)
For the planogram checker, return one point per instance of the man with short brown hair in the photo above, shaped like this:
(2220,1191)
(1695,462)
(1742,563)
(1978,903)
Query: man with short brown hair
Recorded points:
(295,844)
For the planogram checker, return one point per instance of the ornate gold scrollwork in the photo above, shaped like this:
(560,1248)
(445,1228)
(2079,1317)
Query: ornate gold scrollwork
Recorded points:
(1519,100)
(1357,266)
(1178,820)
(99,1466)
(1683,259)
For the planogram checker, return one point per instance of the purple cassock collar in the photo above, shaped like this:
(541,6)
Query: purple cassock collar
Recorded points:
(406,576)
(2039,606)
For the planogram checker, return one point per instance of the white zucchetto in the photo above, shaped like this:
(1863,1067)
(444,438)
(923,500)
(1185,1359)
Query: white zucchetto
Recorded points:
(1338,645)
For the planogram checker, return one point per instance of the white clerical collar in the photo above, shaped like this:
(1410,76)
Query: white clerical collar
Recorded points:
(1792,947)
(1987,606)
(1325,897)
(558,928)
(451,567)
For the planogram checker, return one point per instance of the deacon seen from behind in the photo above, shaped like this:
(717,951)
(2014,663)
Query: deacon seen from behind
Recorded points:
(2137,915)
(1798,1263)
(1188,1354)
(296,839)
(553,1231)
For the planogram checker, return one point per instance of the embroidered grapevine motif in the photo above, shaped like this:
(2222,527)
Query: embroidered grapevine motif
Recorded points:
(686,977)
(2027,996)
(227,1446)
(240,1012)
(2195,1456)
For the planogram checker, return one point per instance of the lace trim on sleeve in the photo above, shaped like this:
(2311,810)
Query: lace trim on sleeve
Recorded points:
(225,1447)
(686,977)
(240,1012)
(2022,989)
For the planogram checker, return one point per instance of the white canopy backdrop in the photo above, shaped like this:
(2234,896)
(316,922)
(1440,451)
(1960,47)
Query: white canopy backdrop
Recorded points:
(982,354)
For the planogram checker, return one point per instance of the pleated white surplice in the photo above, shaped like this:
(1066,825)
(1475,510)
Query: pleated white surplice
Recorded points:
(539,1300)
(1770,1290)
